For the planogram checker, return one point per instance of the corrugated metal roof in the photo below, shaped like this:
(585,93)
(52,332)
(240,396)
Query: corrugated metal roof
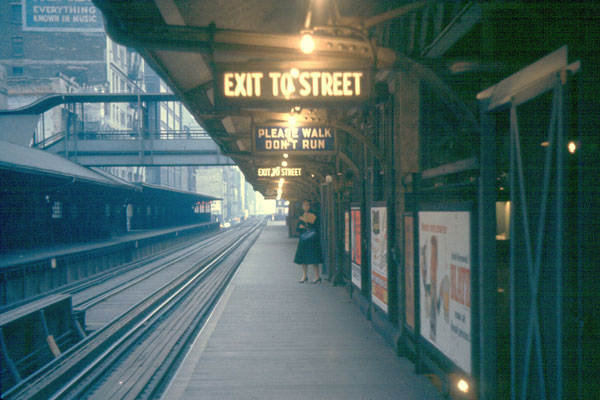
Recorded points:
(26,159)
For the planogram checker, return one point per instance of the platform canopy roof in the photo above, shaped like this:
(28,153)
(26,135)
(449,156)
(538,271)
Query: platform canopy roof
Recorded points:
(188,42)
(215,55)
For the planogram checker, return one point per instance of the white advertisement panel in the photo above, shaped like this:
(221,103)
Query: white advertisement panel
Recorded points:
(355,253)
(61,16)
(445,283)
(379,267)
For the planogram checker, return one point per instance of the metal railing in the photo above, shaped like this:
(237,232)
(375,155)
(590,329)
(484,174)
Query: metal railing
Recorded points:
(124,135)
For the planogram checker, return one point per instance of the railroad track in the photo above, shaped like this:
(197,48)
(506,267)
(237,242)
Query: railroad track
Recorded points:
(134,356)
(158,267)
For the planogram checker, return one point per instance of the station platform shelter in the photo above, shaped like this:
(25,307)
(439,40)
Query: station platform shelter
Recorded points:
(271,337)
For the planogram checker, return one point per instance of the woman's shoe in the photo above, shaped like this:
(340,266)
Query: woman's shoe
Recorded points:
(303,280)
(316,280)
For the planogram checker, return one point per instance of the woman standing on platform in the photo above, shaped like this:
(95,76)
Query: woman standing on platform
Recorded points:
(309,246)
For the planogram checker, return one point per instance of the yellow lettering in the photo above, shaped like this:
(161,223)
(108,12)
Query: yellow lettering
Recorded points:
(337,84)
(287,85)
(305,90)
(239,85)
(257,78)
(275,78)
(347,82)
(357,76)
(228,84)
(326,83)
(315,83)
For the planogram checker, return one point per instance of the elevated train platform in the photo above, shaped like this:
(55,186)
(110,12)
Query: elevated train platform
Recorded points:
(271,337)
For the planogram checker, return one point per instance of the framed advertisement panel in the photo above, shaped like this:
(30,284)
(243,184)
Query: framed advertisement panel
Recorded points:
(379,264)
(409,268)
(445,283)
(346,232)
(355,246)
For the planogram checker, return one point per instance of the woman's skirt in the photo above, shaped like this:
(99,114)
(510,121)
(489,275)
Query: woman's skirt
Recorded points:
(309,251)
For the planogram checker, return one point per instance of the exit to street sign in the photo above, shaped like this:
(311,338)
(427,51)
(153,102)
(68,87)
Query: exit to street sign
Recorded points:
(242,85)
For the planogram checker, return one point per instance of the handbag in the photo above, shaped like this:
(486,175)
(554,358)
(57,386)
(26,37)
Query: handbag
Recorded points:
(309,234)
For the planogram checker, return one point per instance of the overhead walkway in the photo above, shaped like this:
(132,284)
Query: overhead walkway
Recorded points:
(87,146)
(271,337)
(130,148)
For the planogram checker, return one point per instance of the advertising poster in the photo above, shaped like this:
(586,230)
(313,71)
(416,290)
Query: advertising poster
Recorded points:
(355,252)
(445,283)
(61,16)
(346,232)
(379,267)
(409,267)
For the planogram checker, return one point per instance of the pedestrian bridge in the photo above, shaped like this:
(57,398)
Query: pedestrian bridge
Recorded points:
(138,147)
(131,148)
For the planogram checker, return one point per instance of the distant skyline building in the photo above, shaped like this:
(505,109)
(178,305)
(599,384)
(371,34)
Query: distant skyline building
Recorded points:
(60,46)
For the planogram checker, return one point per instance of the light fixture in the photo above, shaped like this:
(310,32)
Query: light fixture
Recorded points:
(463,386)
(292,120)
(307,43)
(572,146)
(285,155)
(284,163)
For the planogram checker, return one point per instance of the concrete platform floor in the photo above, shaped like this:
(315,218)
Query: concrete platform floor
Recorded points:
(271,337)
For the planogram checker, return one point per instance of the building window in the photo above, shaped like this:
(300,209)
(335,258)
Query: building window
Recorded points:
(107,210)
(17,71)
(17,46)
(57,210)
(15,13)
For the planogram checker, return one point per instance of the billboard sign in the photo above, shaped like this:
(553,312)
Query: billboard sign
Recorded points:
(61,16)
(445,283)
(409,268)
(379,265)
(355,246)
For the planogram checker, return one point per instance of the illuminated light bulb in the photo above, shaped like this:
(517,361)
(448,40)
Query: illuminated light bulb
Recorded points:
(292,120)
(463,386)
(572,147)
(307,44)
(284,163)
(295,73)
(285,155)
(281,181)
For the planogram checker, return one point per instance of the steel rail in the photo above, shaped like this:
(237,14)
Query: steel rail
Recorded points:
(120,287)
(73,364)
(147,324)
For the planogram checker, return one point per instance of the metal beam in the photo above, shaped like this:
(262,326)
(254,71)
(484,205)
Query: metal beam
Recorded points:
(358,135)
(47,102)
(209,39)
(456,29)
